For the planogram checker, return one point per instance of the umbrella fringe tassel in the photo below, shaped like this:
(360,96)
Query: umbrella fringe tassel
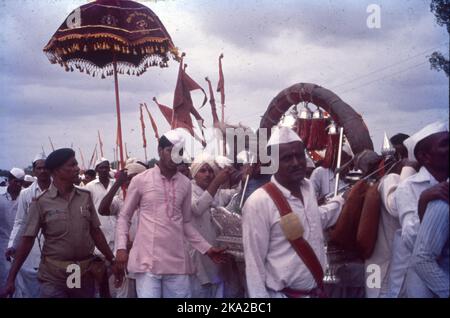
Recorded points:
(91,69)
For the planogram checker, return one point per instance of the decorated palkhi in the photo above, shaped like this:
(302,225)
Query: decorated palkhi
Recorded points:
(230,227)
(103,31)
(322,129)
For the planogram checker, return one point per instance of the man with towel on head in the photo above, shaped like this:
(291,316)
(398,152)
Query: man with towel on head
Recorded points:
(285,255)
(159,260)
(27,284)
(207,282)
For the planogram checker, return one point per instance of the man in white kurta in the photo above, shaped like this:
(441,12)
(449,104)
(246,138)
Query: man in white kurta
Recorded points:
(388,225)
(434,161)
(323,179)
(111,205)
(98,189)
(271,262)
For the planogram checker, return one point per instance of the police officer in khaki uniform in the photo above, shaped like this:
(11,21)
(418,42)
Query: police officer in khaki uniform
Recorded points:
(68,220)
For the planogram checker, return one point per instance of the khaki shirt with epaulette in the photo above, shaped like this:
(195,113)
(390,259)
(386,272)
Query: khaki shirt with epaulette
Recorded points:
(66,225)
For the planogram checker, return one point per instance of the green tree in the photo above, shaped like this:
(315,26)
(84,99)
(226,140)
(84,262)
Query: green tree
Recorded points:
(441,10)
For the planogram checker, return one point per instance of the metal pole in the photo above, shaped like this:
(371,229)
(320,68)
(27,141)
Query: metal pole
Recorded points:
(100,143)
(119,125)
(51,143)
(126,151)
(341,134)
(82,159)
(245,185)
(114,156)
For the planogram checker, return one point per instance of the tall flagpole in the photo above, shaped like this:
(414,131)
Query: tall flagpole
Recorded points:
(221,86)
(51,143)
(338,166)
(100,143)
(152,121)
(144,140)
(126,151)
(82,159)
(114,156)
(92,157)
(221,89)
(119,124)
(117,149)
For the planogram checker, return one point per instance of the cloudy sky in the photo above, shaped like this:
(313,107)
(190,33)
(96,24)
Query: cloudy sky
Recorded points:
(268,46)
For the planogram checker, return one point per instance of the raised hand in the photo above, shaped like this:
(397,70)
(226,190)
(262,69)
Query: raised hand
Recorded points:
(217,254)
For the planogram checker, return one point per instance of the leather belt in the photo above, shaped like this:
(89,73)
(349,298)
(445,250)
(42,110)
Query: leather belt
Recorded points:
(84,264)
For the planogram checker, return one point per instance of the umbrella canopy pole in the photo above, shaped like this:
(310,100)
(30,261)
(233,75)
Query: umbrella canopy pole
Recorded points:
(119,125)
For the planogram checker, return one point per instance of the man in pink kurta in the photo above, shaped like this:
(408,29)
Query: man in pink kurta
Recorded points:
(158,259)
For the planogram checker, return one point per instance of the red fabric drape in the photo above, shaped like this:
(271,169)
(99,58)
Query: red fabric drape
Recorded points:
(318,135)
(303,129)
(330,160)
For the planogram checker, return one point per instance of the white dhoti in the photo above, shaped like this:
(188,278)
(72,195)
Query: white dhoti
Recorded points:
(27,284)
(162,286)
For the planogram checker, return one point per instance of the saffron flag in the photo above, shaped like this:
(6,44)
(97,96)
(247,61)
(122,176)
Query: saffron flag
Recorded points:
(168,114)
(155,128)
(212,102)
(182,102)
(221,83)
(166,111)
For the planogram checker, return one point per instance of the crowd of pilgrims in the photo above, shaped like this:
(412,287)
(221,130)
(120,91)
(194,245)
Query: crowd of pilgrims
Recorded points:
(149,232)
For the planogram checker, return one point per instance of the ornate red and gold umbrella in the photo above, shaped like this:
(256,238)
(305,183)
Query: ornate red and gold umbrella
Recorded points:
(110,37)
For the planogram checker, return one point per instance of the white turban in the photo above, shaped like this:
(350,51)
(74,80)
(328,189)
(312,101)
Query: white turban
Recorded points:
(283,135)
(199,161)
(17,173)
(222,162)
(135,168)
(131,160)
(29,178)
(175,137)
(245,157)
(40,156)
(428,130)
(100,161)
